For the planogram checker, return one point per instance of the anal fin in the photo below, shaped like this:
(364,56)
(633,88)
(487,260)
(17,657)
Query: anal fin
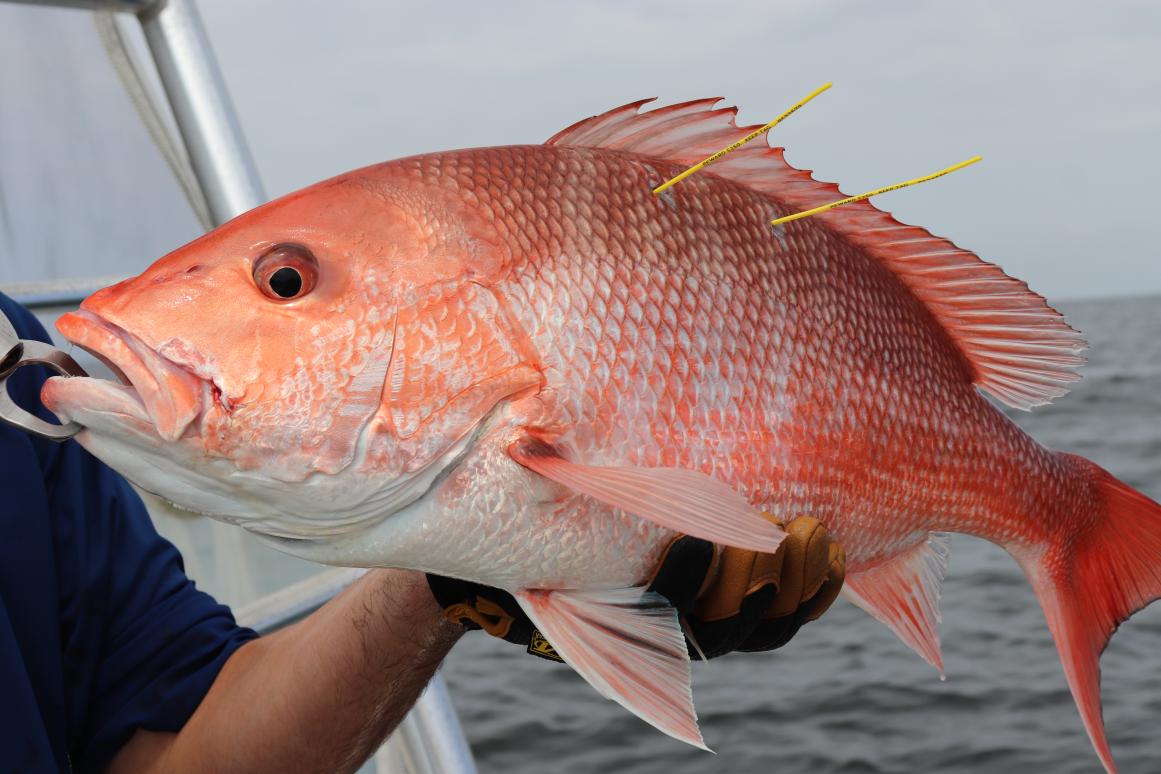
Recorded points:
(903,592)
(628,645)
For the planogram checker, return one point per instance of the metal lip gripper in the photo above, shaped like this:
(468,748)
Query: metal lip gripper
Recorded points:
(19,352)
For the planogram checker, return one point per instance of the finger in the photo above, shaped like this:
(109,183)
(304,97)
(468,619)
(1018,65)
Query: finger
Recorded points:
(740,574)
(805,566)
(776,632)
(683,570)
(828,593)
(726,635)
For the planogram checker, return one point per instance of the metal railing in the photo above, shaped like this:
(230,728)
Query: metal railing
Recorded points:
(430,740)
(56,294)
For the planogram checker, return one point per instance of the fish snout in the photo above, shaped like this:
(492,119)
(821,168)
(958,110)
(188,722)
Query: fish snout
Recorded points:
(172,396)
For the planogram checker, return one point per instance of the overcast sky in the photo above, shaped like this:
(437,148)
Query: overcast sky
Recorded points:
(1062,99)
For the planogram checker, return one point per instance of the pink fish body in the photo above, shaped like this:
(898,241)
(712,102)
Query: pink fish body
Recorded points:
(518,366)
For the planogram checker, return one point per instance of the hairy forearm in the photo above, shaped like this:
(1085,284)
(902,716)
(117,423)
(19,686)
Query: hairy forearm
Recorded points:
(318,696)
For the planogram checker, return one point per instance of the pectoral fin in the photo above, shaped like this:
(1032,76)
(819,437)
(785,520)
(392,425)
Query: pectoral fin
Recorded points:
(628,645)
(681,500)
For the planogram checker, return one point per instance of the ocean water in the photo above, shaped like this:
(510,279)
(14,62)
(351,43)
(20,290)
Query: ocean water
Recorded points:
(845,695)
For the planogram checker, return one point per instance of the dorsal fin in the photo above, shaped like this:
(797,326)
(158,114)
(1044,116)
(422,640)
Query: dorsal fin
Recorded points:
(1015,345)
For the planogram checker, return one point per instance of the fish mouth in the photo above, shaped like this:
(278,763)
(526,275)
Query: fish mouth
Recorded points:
(152,389)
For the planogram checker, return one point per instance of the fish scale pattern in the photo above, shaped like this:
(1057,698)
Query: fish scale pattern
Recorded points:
(684,331)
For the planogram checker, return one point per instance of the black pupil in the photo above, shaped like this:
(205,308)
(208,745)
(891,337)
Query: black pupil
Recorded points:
(286,282)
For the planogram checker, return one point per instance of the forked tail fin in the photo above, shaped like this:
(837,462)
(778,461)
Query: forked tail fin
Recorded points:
(1092,580)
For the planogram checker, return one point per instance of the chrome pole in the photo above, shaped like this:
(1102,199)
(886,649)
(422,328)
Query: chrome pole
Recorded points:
(201,106)
(413,748)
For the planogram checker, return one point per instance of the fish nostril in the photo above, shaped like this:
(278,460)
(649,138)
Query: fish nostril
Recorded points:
(195,268)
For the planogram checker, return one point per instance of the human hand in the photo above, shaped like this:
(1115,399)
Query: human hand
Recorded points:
(728,598)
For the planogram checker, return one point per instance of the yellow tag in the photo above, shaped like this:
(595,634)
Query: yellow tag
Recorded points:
(876,192)
(734,146)
(539,646)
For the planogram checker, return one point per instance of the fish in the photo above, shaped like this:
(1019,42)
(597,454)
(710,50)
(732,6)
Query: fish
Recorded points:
(518,366)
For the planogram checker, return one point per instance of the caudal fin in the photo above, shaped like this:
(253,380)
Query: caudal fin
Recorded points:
(1092,580)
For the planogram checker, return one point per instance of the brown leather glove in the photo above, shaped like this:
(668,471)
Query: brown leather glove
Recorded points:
(750,601)
(729,598)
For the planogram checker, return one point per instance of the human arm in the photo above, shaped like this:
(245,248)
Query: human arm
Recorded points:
(320,695)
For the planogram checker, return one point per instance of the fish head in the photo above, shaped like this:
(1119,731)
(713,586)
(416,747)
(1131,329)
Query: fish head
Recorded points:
(308,366)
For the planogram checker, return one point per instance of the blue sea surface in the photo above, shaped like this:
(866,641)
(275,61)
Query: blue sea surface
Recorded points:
(845,695)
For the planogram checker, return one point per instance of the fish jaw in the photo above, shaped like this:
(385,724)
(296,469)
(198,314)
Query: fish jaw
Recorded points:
(171,396)
(147,425)
(317,511)
(118,430)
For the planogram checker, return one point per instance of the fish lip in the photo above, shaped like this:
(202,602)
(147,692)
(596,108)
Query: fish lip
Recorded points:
(170,396)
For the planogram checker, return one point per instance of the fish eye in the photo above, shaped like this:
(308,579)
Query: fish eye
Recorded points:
(286,271)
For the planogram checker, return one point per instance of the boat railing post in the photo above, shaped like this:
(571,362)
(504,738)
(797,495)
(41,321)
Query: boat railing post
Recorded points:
(202,109)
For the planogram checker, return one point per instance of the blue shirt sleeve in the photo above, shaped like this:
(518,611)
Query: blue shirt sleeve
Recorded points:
(140,644)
